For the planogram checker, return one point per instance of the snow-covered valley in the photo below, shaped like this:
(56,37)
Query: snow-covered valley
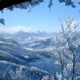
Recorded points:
(32,56)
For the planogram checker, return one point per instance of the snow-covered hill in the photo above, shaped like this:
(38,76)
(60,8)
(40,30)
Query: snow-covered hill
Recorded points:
(17,51)
(30,56)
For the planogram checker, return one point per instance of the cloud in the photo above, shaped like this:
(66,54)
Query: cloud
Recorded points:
(15,29)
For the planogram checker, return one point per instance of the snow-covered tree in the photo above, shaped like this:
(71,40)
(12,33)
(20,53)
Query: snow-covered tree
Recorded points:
(68,33)
(67,51)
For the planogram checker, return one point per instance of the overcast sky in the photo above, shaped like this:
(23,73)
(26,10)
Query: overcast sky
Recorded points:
(40,18)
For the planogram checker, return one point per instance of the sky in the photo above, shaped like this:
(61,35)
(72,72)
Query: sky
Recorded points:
(39,18)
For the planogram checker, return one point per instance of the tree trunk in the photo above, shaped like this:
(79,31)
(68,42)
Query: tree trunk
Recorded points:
(73,70)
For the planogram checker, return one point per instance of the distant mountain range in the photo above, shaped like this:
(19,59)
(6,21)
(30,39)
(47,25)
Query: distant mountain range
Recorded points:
(22,50)
(27,55)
